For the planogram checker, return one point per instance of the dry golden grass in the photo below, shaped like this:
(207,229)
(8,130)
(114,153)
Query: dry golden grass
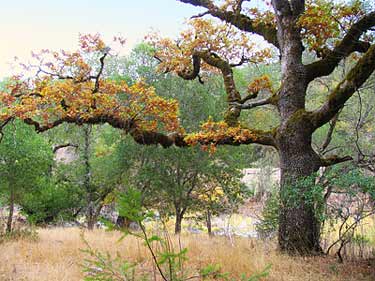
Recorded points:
(56,256)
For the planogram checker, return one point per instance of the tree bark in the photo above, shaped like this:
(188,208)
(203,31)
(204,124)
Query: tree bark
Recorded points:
(123,222)
(90,212)
(299,228)
(91,217)
(177,227)
(298,225)
(209,223)
(11,211)
(91,223)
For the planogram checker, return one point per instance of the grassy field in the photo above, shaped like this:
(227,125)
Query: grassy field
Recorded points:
(56,256)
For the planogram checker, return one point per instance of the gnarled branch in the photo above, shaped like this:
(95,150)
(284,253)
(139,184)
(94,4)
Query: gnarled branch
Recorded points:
(349,44)
(154,138)
(352,82)
(253,104)
(191,75)
(241,21)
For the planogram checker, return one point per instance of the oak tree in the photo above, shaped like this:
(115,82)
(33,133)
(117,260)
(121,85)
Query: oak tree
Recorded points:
(330,31)
(67,88)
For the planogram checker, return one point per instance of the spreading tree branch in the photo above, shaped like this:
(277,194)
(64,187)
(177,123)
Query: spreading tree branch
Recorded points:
(352,82)
(241,21)
(156,138)
(349,44)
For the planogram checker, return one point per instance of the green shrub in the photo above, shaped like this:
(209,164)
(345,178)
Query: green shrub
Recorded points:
(50,202)
(269,223)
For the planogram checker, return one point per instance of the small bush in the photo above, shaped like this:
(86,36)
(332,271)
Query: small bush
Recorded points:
(50,202)
(269,223)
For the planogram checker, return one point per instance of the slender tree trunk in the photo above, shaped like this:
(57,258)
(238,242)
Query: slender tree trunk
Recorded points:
(93,215)
(91,223)
(177,227)
(90,217)
(11,211)
(179,217)
(208,223)
(123,222)
(90,212)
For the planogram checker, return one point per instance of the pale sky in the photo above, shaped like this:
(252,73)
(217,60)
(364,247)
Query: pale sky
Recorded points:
(32,25)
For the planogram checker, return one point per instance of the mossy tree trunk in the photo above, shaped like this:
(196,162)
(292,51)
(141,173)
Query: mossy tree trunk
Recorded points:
(299,228)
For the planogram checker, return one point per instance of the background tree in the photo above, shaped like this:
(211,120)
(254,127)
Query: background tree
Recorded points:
(25,158)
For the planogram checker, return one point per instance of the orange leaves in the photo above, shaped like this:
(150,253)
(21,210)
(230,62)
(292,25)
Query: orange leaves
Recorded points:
(205,35)
(91,43)
(262,17)
(325,21)
(213,133)
(7,99)
(71,86)
(261,83)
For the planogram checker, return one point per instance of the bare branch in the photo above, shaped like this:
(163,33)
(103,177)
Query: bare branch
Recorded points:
(253,104)
(200,15)
(328,138)
(333,160)
(97,77)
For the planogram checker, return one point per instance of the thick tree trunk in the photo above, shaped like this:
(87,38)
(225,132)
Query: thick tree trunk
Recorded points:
(11,211)
(298,225)
(209,223)
(299,228)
